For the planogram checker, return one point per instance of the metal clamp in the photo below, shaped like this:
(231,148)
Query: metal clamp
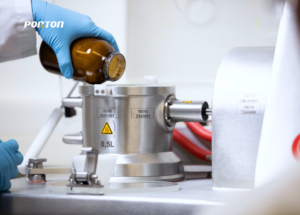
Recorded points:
(171,124)
(35,163)
(88,177)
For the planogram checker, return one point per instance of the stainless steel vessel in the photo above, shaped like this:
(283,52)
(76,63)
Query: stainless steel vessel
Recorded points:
(134,122)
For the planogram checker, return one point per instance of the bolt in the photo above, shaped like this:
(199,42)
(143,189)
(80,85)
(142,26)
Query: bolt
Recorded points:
(72,181)
(94,177)
(102,91)
(97,91)
(170,102)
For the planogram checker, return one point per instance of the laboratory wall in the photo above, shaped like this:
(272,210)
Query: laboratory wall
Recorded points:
(182,42)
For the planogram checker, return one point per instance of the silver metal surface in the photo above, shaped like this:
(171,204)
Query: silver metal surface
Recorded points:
(35,163)
(84,185)
(187,111)
(239,98)
(50,171)
(100,89)
(194,197)
(171,124)
(197,168)
(172,178)
(136,122)
(81,176)
(88,177)
(130,121)
(72,102)
(37,178)
(208,111)
(197,171)
(76,139)
(115,187)
(147,165)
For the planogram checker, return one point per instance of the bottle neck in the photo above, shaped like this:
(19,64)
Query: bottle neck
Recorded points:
(113,66)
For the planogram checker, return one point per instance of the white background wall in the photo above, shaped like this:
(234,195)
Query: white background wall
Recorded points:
(157,39)
(162,42)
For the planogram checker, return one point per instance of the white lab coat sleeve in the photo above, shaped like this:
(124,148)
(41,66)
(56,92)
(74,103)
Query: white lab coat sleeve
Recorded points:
(15,40)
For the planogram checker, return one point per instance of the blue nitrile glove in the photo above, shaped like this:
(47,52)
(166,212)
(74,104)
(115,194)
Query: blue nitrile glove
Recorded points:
(10,157)
(75,26)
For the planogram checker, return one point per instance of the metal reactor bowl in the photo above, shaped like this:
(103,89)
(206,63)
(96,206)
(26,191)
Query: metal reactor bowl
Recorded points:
(129,121)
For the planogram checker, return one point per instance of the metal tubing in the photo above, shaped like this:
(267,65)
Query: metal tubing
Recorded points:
(208,111)
(187,111)
(76,139)
(72,102)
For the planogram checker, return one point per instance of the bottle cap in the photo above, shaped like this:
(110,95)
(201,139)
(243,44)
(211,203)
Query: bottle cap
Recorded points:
(114,66)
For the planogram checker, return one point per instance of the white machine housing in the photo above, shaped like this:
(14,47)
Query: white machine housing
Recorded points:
(239,99)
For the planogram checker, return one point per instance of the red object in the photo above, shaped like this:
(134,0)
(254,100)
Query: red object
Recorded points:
(190,146)
(199,130)
(296,148)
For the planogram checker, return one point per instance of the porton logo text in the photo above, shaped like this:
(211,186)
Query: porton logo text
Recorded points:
(44,24)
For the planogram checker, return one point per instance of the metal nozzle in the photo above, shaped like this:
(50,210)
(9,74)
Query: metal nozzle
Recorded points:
(187,111)
(208,111)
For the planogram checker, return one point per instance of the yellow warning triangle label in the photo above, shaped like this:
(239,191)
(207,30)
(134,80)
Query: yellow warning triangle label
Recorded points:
(106,129)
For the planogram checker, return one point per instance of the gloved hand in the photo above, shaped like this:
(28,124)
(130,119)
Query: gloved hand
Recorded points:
(10,157)
(75,26)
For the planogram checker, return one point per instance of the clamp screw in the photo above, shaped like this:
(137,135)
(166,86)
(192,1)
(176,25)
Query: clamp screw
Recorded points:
(170,102)
(94,177)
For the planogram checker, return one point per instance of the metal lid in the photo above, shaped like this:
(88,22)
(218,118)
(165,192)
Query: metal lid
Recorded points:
(126,90)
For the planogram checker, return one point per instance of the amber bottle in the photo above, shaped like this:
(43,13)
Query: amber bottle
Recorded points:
(94,61)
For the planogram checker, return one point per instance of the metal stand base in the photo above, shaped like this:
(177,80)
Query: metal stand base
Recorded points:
(164,166)
(171,178)
(114,188)
(194,197)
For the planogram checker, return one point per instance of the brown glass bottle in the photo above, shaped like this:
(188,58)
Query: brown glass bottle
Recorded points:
(94,61)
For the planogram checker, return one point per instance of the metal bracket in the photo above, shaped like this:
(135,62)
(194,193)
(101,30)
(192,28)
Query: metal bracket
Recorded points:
(35,163)
(88,177)
(168,120)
